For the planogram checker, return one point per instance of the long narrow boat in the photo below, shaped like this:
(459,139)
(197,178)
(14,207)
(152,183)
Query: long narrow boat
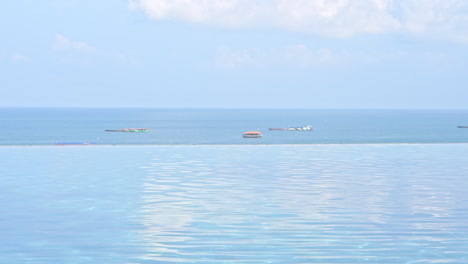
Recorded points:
(74,143)
(303,128)
(462,126)
(129,130)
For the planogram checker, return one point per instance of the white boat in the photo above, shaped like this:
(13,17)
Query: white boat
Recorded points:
(303,128)
(129,130)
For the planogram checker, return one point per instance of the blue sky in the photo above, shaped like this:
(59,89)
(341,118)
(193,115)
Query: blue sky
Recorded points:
(235,53)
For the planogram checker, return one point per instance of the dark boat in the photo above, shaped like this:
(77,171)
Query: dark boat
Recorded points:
(462,126)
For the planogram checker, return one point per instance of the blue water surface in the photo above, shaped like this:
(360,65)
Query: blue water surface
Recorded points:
(325,203)
(43,126)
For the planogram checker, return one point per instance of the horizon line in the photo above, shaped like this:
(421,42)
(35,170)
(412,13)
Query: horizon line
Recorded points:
(220,108)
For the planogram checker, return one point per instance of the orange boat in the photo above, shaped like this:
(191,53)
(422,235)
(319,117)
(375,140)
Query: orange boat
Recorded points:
(252,134)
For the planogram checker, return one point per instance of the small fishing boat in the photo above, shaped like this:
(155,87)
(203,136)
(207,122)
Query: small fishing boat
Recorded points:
(252,134)
(303,128)
(74,143)
(462,126)
(129,130)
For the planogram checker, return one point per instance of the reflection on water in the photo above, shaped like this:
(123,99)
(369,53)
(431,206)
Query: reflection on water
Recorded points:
(234,204)
(306,204)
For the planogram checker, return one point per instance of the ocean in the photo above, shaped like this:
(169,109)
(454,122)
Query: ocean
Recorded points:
(225,126)
(365,186)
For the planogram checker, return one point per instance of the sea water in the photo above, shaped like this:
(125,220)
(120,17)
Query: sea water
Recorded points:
(226,126)
(301,200)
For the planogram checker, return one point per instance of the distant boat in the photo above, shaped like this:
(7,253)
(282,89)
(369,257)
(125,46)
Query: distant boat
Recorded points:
(252,134)
(462,126)
(129,130)
(303,128)
(74,143)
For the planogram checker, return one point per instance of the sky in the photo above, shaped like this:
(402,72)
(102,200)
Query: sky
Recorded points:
(338,54)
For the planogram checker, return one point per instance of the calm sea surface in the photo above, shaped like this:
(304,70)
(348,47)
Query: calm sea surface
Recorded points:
(194,191)
(186,126)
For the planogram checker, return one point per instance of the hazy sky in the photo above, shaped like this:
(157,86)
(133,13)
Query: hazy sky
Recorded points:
(235,53)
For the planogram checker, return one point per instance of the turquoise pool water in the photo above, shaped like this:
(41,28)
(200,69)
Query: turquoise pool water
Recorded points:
(325,203)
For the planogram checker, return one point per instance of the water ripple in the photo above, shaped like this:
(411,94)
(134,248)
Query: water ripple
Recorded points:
(305,204)
(235,204)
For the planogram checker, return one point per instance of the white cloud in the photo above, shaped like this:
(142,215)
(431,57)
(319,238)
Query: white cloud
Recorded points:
(64,43)
(307,57)
(304,56)
(124,58)
(19,58)
(229,58)
(299,55)
(71,51)
(337,18)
